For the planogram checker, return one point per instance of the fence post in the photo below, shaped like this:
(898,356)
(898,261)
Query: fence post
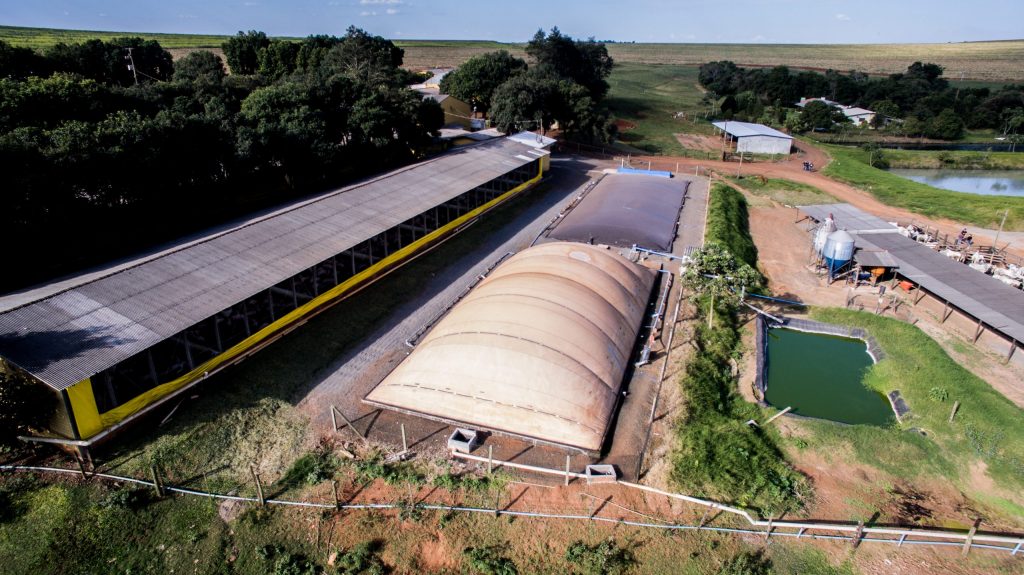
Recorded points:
(860,533)
(405,444)
(490,459)
(337,500)
(259,486)
(567,470)
(970,538)
(156,481)
(336,412)
(956,407)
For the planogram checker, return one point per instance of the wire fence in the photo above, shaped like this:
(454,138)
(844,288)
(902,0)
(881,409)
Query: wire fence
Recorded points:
(1011,544)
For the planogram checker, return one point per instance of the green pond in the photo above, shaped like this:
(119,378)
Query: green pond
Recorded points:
(821,376)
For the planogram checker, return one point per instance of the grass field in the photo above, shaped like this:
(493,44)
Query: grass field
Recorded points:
(786,192)
(984,61)
(648,97)
(956,160)
(986,429)
(850,165)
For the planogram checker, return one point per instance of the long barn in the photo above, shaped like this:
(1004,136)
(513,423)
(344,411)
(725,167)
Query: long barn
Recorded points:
(756,138)
(113,345)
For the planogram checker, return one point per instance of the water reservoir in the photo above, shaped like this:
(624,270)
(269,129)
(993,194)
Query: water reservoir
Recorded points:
(983,182)
(822,376)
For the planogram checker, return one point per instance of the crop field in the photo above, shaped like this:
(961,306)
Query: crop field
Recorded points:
(983,61)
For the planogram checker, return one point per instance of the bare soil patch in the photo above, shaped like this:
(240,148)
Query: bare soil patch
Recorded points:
(698,142)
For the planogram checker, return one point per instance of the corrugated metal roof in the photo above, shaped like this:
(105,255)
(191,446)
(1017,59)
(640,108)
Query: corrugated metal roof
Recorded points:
(73,334)
(538,349)
(1000,306)
(849,218)
(741,129)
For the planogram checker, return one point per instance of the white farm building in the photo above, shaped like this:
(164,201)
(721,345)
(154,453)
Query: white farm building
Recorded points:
(756,138)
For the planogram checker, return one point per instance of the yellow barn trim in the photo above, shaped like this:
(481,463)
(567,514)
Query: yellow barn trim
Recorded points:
(90,422)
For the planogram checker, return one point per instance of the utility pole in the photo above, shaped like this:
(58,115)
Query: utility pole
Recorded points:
(131,65)
(957,97)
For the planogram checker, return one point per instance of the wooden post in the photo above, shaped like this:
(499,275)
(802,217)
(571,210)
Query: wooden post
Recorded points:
(768,533)
(977,334)
(156,481)
(956,407)
(334,420)
(490,459)
(860,533)
(335,410)
(970,538)
(337,500)
(81,466)
(945,315)
(567,470)
(1017,548)
(259,486)
(405,444)
(902,539)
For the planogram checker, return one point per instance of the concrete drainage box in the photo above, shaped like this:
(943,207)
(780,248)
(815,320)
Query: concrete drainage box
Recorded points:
(601,474)
(464,440)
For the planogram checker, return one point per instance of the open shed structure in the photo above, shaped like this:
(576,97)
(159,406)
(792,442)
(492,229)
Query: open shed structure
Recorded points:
(756,138)
(537,350)
(988,303)
(115,344)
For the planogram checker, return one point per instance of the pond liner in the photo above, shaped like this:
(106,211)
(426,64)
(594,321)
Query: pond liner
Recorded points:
(762,325)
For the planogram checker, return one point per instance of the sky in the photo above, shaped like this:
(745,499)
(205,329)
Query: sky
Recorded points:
(701,21)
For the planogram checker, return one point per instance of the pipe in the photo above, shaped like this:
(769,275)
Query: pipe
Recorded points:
(774,525)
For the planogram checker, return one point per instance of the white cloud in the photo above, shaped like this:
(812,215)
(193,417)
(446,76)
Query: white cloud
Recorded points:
(380,1)
(392,11)
(367,13)
(842,17)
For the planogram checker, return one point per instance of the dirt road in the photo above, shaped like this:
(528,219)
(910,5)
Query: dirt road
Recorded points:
(792,169)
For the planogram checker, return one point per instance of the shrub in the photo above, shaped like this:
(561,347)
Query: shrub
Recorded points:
(747,563)
(361,559)
(311,469)
(489,561)
(604,558)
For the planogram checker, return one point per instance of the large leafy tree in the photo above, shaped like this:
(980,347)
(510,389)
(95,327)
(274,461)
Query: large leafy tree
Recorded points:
(242,51)
(476,80)
(818,115)
(526,102)
(714,272)
(368,59)
(585,62)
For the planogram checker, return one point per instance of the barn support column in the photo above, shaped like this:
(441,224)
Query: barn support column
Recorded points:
(188,351)
(946,312)
(977,333)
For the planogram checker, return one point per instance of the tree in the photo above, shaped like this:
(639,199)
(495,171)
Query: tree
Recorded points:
(527,101)
(820,116)
(199,67)
(277,59)
(242,51)
(476,80)
(946,126)
(884,110)
(586,63)
(715,272)
(20,63)
(372,60)
(24,405)
(109,62)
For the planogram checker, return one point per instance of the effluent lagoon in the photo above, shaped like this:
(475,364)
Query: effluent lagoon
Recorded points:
(822,376)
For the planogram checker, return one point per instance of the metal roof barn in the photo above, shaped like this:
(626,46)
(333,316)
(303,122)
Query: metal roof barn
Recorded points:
(69,335)
(756,138)
(624,210)
(537,350)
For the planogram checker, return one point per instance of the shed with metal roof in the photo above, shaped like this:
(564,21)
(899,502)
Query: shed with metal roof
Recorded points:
(118,342)
(755,138)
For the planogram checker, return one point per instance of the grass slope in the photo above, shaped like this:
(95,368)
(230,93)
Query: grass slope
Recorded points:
(649,97)
(785,192)
(987,428)
(955,160)
(850,165)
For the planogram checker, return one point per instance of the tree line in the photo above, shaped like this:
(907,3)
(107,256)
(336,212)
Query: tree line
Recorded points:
(565,84)
(110,147)
(923,102)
